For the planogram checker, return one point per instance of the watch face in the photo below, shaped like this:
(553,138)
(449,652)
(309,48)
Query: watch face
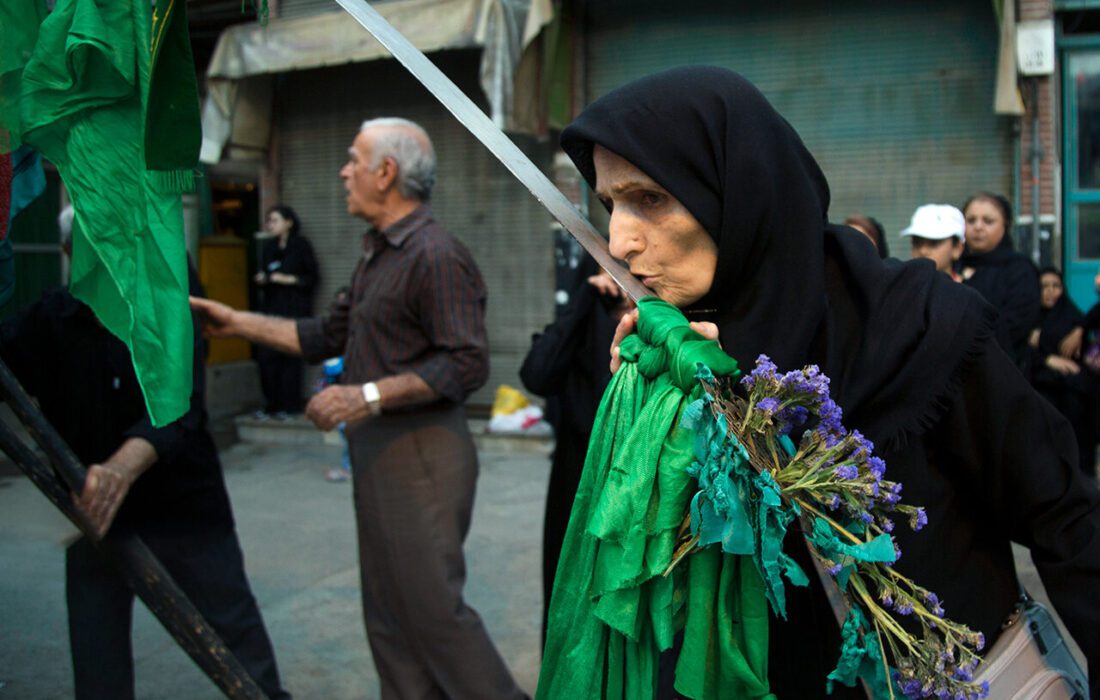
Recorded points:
(372,397)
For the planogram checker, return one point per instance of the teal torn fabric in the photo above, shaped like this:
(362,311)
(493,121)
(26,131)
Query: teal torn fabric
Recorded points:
(733,496)
(826,541)
(860,657)
(718,509)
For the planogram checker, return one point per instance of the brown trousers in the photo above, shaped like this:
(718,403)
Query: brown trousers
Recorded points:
(414,478)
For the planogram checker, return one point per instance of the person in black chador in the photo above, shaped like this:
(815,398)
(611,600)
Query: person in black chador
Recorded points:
(164,484)
(718,207)
(1006,278)
(287,276)
(567,366)
(1064,382)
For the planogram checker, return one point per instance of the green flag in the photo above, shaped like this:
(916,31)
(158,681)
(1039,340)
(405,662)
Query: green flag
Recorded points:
(109,96)
(19,22)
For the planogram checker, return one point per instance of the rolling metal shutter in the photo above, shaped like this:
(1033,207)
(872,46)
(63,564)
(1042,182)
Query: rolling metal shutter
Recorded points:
(303,8)
(895,100)
(318,113)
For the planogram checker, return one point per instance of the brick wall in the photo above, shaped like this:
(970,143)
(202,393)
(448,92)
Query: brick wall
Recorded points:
(1048,133)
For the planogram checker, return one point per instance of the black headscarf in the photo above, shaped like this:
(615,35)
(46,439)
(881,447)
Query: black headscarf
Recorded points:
(893,336)
(1058,321)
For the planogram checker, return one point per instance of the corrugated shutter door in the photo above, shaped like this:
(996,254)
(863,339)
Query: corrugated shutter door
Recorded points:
(895,100)
(505,228)
(302,8)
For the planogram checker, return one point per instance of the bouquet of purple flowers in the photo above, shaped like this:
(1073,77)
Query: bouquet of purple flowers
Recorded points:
(778,452)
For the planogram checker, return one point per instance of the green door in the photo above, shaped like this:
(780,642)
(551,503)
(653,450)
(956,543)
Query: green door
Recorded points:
(1081,112)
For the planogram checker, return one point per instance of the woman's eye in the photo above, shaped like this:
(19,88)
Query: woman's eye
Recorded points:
(652,198)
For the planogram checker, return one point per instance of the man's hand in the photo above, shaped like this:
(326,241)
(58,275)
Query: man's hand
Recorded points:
(282,278)
(105,488)
(629,322)
(337,404)
(106,485)
(1062,366)
(218,320)
(605,285)
(1070,346)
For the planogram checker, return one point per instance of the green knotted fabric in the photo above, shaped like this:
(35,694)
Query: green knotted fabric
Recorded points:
(613,610)
(108,95)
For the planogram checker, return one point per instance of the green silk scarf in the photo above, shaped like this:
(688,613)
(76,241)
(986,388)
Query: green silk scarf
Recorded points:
(614,609)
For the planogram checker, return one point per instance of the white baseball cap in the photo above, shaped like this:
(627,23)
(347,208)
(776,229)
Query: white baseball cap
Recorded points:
(937,222)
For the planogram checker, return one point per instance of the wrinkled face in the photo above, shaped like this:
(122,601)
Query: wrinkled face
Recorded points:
(664,245)
(277,224)
(365,199)
(942,252)
(985,226)
(1051,289)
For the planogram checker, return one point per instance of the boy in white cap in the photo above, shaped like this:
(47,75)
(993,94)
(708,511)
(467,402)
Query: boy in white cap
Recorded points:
(938,232)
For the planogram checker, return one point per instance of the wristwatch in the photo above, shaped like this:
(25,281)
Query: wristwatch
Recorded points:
(373,398)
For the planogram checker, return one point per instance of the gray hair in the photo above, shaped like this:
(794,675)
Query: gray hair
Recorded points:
(65,225)
(409,146)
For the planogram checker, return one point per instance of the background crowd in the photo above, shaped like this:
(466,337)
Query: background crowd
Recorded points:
(1054,344)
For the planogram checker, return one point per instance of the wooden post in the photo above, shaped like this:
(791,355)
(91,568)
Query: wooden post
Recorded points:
(144,573)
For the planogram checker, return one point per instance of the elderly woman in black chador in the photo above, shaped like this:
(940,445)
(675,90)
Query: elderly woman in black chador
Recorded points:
(717,206)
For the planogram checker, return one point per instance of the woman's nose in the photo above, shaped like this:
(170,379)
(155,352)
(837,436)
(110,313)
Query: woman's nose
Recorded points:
(625,237)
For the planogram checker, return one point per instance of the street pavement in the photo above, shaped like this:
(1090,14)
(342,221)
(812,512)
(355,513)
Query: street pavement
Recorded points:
(297,533)
(298,537)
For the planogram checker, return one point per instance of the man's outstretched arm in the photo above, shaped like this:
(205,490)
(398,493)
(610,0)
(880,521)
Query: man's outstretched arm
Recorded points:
(221,321)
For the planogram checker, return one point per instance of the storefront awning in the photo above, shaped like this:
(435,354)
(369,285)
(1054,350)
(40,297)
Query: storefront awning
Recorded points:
(237,108)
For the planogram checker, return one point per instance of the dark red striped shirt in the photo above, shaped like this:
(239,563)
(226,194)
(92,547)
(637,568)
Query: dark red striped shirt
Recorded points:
(416,304)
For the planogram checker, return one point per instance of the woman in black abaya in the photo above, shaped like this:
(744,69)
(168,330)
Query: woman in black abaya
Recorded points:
(287,277)
(1006,278)
(694,163)
(1065,382)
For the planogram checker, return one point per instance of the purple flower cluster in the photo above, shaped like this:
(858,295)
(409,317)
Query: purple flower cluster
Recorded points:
(829,425)
(932,601)
(765,373)
(780,403)
(847,471)
(918,519)
(946,688)
(834,469)
(792,417)
(769,405)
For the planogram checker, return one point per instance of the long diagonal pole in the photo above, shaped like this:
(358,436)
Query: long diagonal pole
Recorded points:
(144,573)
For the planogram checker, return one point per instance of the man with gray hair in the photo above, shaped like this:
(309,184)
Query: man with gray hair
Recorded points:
(412,332)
